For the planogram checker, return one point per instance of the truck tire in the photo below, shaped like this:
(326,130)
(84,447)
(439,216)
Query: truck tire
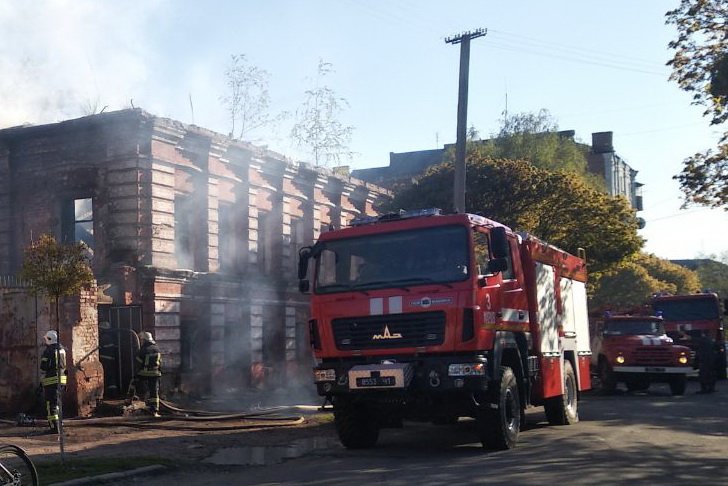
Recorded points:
(498,427)
(607,380)
(563,410)
(678,384)
(355,425)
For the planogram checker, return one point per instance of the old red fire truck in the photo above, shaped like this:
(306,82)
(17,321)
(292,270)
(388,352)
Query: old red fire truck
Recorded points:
(429,317)
(634,349)
(687,316)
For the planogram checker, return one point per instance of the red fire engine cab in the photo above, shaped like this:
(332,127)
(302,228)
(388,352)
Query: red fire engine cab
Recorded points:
(688,316)
(635,349)
(429,317)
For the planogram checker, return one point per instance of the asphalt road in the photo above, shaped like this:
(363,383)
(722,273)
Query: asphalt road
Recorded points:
(628,438)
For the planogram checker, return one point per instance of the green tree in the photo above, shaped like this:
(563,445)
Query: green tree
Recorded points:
(685,281)
(713,273)
(558,207)
(624,287)
(700,66)
(57,270)
(535,137)
(247,100)
(317,126)
(633,281)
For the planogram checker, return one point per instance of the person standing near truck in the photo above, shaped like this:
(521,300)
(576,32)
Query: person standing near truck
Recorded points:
(53,366)
(706,362)
(149,372)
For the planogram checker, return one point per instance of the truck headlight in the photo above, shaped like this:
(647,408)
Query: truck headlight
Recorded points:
(683,359)
(324,375)
(466,369)
(619,359)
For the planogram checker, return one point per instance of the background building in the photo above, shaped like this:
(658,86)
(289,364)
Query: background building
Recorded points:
(620,178)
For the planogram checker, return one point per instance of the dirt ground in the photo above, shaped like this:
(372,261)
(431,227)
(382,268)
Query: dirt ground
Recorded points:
(176,436)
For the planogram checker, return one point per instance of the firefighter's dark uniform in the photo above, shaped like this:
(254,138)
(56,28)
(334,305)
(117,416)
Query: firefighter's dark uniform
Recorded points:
(149,361)
(53,364)
(706,361)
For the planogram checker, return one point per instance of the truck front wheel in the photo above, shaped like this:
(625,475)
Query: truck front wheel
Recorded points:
(562,410)
(677,384)
(355,425)
(607,380)
(498,427)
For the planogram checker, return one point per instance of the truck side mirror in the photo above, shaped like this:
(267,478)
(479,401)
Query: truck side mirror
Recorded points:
(498,242)
(304,254)
(497,265)
(499,250)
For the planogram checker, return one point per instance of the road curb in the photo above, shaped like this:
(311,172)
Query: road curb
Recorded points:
(111,476)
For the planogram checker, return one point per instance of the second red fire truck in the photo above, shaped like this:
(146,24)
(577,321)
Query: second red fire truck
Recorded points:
(635,350)
(430,317)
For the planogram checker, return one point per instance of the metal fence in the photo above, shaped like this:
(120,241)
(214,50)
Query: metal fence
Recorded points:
(13,282)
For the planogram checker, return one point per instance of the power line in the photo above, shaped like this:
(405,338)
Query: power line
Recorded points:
(520,43)
(578,60)
(578,50)
(676,215)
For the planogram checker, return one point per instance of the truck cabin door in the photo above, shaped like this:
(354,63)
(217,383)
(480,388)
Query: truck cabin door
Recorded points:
(503,299)
(515,303)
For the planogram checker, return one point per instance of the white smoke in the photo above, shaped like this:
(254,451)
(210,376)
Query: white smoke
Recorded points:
(62,59)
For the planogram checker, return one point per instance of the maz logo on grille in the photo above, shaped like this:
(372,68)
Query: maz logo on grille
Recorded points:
(387,334)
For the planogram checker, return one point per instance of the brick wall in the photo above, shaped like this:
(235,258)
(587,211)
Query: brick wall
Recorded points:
(219,294)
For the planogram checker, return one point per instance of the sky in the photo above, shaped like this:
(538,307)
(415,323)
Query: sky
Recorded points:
(595,66)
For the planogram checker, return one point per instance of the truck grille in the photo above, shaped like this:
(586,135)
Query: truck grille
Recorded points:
(390,331)
(652,355)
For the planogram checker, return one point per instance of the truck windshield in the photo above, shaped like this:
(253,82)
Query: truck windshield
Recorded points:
(633,328)
(398,259)
(688,309)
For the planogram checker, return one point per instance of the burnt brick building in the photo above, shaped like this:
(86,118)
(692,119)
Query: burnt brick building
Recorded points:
(194,237)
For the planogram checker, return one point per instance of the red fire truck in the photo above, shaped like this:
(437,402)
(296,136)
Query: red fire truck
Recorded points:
(687,316)
(634,349)
(429,317)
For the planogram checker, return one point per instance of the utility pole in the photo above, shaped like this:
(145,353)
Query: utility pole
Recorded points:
(464,41)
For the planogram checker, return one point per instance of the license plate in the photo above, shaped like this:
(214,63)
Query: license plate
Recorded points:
(381,376)
(655,369)
(372,381)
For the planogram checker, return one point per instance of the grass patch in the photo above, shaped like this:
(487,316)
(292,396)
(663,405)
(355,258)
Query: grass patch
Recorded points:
(55,472)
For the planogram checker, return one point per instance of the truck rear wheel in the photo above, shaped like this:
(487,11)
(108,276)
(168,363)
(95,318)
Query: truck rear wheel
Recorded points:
(562,410)
(498,428)
(355,425)
(678,384)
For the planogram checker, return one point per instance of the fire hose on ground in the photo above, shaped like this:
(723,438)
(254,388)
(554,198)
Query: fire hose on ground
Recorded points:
(178,418)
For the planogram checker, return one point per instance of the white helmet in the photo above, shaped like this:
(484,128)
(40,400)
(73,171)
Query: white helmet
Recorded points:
(146,336)
(51,337)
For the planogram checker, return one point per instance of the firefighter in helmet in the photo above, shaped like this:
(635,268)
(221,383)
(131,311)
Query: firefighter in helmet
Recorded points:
(149,371)
(53,366)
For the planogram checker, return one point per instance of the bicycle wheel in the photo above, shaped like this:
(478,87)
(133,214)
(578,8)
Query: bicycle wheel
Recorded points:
(16,468)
